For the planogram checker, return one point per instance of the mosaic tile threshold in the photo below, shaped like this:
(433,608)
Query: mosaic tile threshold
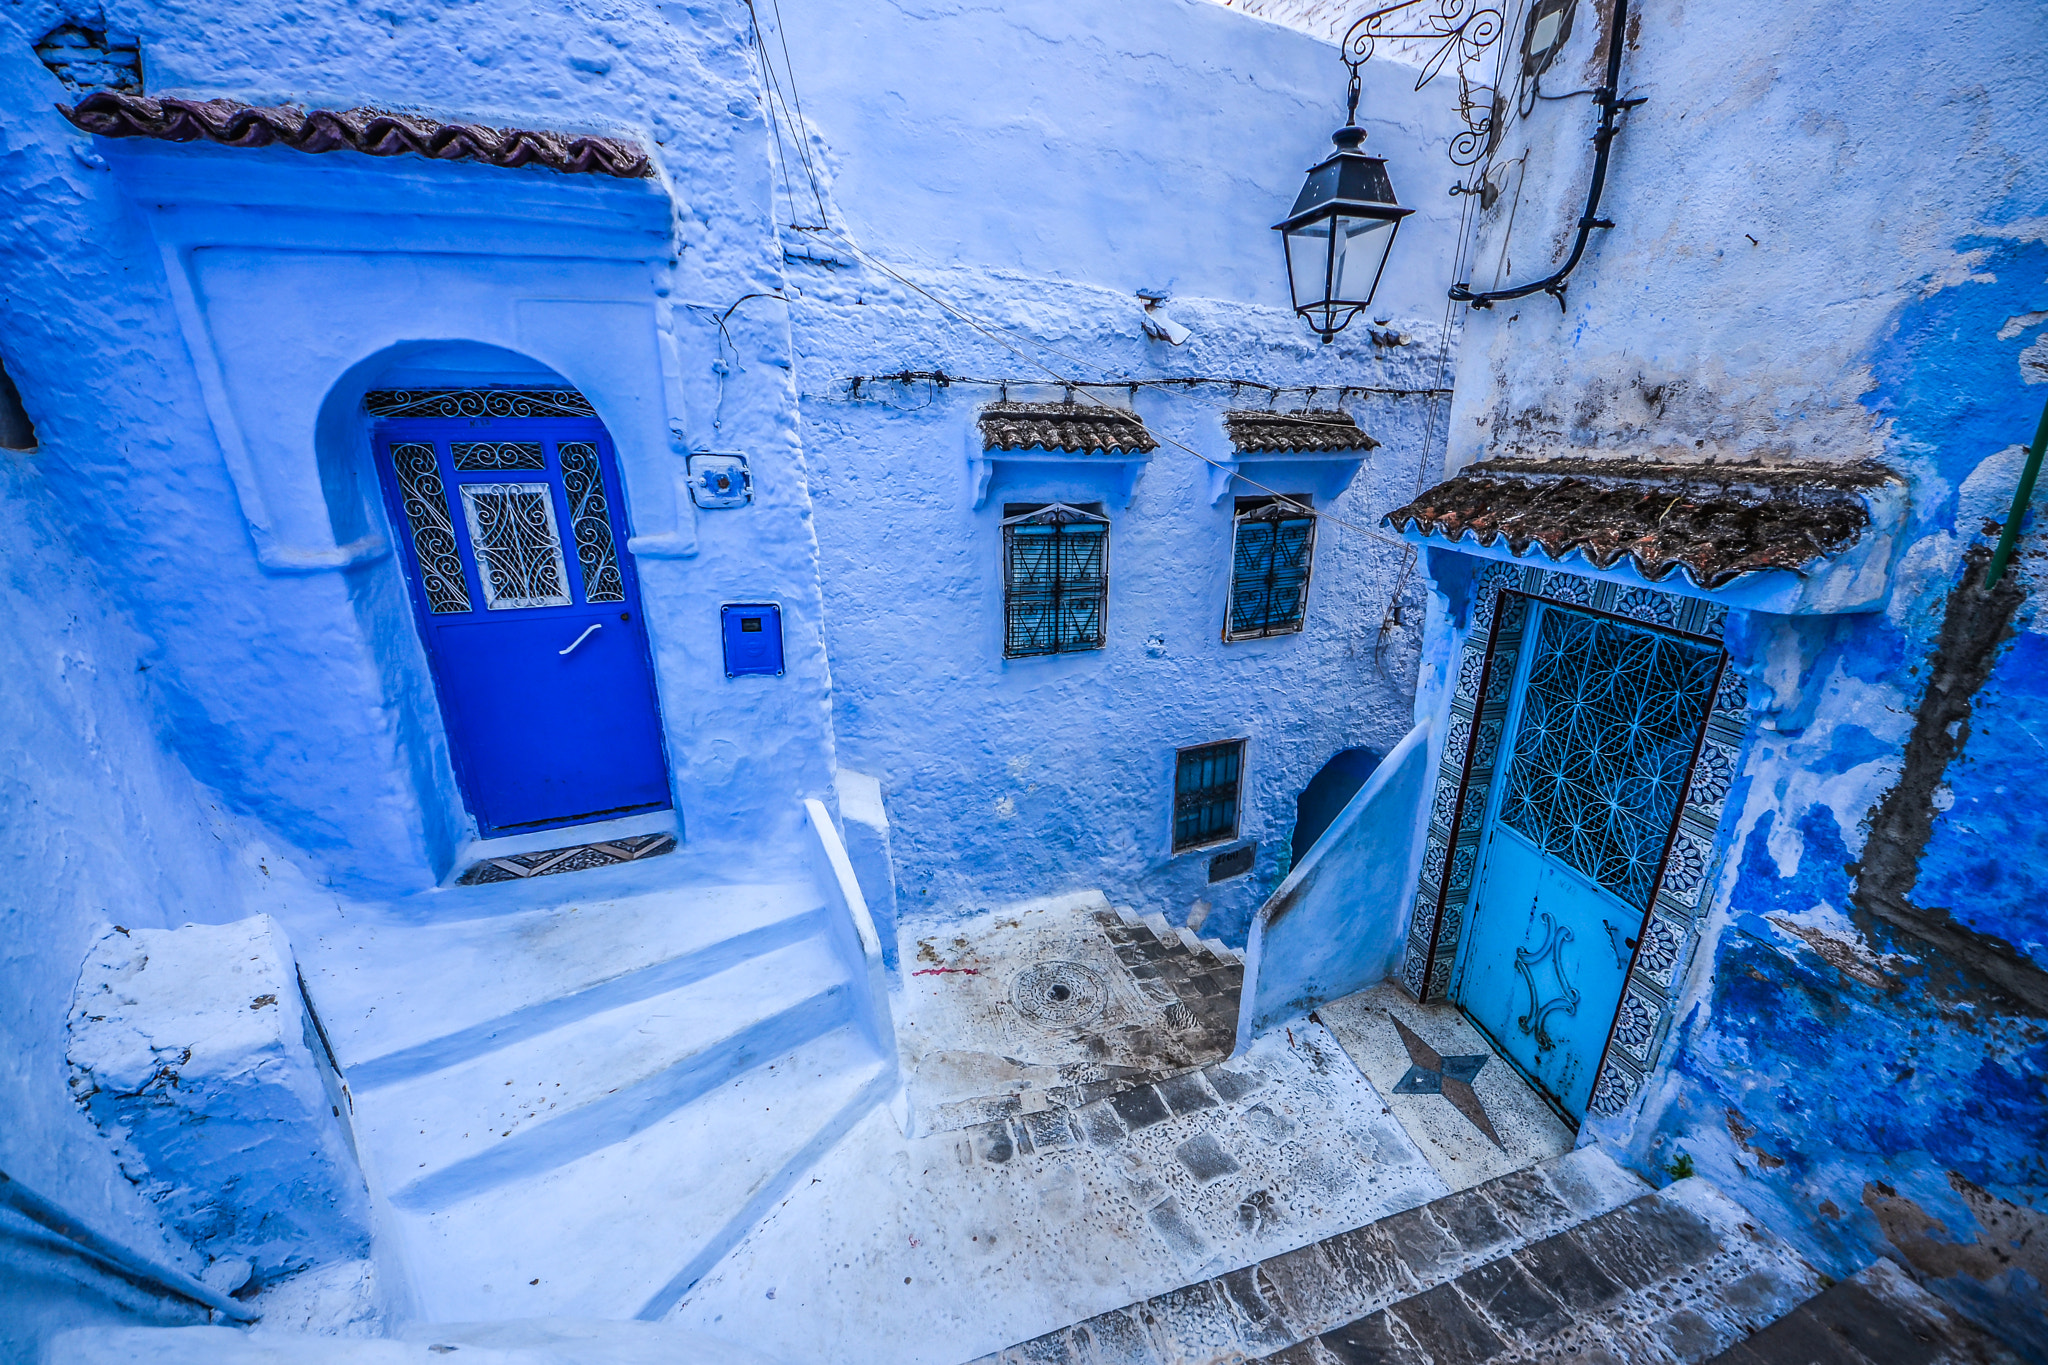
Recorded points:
(575,858)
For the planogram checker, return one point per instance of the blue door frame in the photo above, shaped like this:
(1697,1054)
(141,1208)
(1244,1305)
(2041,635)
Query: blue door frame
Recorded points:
(1603,730)
(529,606)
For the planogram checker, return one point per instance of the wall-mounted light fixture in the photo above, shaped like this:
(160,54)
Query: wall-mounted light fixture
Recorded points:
(1339,232)
(1342,225)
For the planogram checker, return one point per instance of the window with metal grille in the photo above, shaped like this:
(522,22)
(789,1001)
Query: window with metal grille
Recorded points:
(1269,567)
(1055,578)
(1205,788)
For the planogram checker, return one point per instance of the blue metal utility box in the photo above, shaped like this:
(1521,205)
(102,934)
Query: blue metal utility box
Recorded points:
(753,638)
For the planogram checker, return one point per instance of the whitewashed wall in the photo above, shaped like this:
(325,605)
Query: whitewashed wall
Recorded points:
(1035,166)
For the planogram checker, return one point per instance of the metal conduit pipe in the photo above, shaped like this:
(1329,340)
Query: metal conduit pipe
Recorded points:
(2021,496)
(1608,97)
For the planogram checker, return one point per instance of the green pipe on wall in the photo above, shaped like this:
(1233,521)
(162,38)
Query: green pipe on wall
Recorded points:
(2021,496)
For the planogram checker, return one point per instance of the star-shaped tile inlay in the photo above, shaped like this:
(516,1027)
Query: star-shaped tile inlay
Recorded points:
(1435,1074)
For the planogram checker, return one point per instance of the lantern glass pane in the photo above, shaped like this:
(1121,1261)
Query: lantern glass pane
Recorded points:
(1308,262)
(1361,246)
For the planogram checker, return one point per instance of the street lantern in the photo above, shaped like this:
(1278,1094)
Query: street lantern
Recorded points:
(1339,232)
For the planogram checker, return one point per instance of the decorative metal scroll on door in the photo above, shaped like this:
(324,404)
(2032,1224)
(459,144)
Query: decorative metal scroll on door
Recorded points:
(1544,1003)
(518,549)
(433,535)
(1610,717)
(1503,596)
(590,523)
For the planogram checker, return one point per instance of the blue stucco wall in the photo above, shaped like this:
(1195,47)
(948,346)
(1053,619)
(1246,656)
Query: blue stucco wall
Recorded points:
(100,829)
(1033,166)
(1853,264)
(1844,1077)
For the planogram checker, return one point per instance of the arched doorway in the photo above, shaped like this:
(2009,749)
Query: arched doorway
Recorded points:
(1326,795)
(506,503)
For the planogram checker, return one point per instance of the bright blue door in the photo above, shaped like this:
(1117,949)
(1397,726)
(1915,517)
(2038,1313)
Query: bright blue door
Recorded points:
(1605,725)
(530,609)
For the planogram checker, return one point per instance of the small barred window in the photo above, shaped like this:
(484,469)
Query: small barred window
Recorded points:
(1055,579)
(1205,794)
(1269,567)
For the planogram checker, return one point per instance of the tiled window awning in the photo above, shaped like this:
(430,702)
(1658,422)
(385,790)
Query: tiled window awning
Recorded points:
(1086,428)
(1059,433)
(1304,431)
(1698,526)
(369,131)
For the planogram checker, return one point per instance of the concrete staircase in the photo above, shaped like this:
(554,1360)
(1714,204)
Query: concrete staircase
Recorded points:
(573,1110)
(1572,1259)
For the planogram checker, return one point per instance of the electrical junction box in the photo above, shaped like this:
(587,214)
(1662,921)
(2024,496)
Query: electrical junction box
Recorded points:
(753,638)
(720,481)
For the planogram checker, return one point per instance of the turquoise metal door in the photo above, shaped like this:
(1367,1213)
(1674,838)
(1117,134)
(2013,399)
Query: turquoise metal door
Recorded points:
(1606,722)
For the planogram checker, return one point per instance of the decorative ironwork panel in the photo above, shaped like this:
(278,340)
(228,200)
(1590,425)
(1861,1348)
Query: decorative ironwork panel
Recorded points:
(590,522)
(495,455)
(1205,793)
(1611,715)
(1269,574)
(518,549)
(1055,581)
(1506,598)
(425,499)
(477,403)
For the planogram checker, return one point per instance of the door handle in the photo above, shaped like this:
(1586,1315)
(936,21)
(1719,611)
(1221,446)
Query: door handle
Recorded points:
(595,627)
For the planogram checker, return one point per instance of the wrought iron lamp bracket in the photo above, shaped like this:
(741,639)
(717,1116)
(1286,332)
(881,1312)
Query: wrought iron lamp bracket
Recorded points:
(1460,31)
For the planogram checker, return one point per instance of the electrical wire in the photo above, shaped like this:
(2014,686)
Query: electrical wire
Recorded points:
(1002,335)
(855,382)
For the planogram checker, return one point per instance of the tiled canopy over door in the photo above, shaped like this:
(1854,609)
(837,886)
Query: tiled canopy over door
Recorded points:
(1804,540)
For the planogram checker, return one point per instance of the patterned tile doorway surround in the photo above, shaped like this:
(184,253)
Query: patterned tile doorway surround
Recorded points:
(1502,594)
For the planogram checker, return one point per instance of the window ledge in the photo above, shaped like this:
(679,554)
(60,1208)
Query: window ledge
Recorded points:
(1126,465)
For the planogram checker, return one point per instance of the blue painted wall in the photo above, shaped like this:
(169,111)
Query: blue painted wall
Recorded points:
(1850,266)
(1034,165)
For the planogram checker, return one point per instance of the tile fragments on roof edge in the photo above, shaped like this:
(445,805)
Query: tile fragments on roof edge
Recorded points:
(1302,431)
(1064,426)
(369,131)
(1715,522)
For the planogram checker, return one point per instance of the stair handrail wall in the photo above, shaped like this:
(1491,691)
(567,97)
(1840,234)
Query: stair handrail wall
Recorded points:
(853,934)
(1336,925)
(130,1264)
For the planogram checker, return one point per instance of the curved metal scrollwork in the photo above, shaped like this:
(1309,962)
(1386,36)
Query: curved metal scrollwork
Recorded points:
(1611,716)
(590,522)
(1462,29)
(477,403)
(518,552)
(425,499)
(1555,936)
(473,455)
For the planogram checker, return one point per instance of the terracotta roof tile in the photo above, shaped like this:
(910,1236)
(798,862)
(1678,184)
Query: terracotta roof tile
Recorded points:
(1302,431)
(1064,426)
(370,131)
(1718,522)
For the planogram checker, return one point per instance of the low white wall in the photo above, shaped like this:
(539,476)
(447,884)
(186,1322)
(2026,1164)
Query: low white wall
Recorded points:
(1336,924)
(853,931)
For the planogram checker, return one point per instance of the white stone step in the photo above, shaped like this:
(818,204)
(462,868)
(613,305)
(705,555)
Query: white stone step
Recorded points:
(1188,939)
(401,998)
(624,1231)
(551,1098)
(547,1342)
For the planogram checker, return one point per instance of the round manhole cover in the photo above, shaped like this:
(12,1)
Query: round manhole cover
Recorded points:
(1057,994)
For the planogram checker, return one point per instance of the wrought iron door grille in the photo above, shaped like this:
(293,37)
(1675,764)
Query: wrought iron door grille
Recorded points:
(1055,581)
(1272,550)
(1205,793)
(1611,717)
